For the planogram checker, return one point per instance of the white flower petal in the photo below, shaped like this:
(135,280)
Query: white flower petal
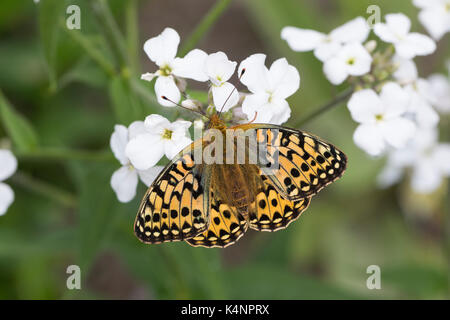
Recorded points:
(124,182)
(415,44)
(356,30)
(255,77)
(326,50)
(397,132)
(180,125)
(425,178)
(8,164)
(284,79)
(174,146)
(165,86)
(406,71)
(394,99)
(364,105)
(218,68)
(398,23)
(302,39)
(221,94)
(436,20)
(148,176)
(192,66)
(281,111)
(136,128)
(6,197)
(257,103)
(162,49)
(335,70)
(156,124)
(368,137)
(145,150)
(361,60)
(118,143)
(389,176)
(148,76)
(439,86)
(384,33)
(441,157)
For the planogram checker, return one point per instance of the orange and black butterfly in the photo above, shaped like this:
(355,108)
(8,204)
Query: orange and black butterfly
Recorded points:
(213,205)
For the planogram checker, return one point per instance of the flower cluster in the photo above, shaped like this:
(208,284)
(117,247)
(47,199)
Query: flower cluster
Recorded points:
(8,165)
(143,144)
(394,107)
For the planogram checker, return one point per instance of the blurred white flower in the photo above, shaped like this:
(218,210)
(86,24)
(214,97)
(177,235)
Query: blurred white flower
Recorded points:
(326,46)
(381,118)
(440,91)
(406,70)
(420,104)
(8,165)
(434,16)
(162,50)
(157,138)
(125,179)
(351,59)
(407,44)
(429,162)
(219,70)
(269,88)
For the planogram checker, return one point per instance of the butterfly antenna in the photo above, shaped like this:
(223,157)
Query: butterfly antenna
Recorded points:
(179,105)
(231,93)
(254,118)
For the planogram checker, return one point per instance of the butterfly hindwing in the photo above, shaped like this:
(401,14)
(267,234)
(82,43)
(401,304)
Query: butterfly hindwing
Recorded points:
(175,207)
(225,228)
(306,162)
(270,211)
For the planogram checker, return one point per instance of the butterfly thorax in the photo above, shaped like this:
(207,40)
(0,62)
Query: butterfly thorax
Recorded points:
(236,185)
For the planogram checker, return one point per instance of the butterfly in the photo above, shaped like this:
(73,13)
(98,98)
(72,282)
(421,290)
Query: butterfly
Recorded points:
(213,205)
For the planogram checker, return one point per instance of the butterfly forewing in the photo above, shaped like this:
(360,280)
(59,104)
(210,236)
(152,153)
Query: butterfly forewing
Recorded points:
(175,207)
(306,163)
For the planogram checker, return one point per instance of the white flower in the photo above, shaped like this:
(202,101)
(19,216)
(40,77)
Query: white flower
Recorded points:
(269,88)
(406,70)
(352,59)
(381,119)
(407,44)
(439,86)
(8,165)
(124,180)
(325,46)
(219,70)
(162,50)
(434,16)
(420,104)
(159,137)
(428,159)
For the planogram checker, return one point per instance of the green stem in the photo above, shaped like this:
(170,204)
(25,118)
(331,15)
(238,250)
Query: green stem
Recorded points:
(340,98)
(205,24)
(132,34)
(44,188)
(51,153)
(92,51)
(114,31)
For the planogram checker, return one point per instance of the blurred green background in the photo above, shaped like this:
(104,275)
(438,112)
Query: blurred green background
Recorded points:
(63,90)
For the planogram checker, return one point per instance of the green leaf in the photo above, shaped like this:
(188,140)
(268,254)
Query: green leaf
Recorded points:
(126,105)
(50,12)
(98,208)
(18,128)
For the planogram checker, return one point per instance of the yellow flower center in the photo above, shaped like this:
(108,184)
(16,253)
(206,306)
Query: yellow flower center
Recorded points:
(165,70)
(351,61)
(167,134)
(379,117)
